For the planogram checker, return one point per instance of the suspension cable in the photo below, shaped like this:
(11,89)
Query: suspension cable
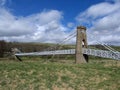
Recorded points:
(61,44)
(105,45)
(65,39)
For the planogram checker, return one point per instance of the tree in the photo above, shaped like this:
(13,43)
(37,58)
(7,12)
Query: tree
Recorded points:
(2,47)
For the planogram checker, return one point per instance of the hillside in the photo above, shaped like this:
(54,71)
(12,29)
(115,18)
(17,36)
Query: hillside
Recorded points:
(33,47)
(41,75)
(57,72)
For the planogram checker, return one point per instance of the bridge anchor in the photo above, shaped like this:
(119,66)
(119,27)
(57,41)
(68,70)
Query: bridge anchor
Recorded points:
(81,42)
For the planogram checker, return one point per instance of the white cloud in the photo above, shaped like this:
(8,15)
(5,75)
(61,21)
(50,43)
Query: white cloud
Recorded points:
(70,25)
(2,2)
(41,27)
(11,25)
(103,20)
(112,1)
(102,9)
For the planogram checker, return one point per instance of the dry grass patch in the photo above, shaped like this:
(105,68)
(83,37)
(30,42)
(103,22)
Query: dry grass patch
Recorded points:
(59,76)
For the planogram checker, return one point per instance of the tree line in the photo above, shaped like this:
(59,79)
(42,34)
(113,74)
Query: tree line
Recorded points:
(6,47)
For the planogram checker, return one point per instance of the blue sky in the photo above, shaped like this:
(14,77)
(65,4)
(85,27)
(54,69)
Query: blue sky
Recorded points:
(50,21)
(70,8)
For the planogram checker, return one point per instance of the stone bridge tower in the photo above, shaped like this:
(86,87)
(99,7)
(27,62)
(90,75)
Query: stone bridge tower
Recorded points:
(81,42)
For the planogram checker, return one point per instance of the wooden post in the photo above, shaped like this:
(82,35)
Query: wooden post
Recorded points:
(81,41)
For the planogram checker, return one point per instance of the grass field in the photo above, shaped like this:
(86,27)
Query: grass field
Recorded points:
(43,75)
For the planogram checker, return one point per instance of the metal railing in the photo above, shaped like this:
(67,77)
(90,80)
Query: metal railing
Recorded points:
(93,52)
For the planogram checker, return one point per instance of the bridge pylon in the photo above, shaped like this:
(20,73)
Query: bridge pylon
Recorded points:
(81,42)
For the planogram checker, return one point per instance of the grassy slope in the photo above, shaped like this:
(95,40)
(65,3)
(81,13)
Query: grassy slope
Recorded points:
(39,75)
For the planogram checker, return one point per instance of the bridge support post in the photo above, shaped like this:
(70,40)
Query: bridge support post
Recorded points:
(81,42)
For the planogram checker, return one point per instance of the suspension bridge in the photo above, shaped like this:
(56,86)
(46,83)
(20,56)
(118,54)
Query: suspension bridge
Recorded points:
(81,52)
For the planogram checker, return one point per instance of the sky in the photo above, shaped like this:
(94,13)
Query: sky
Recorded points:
(50,21)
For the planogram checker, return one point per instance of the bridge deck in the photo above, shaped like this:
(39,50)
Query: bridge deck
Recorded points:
(99,53)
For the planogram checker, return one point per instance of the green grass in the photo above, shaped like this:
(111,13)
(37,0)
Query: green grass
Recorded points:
(39,75)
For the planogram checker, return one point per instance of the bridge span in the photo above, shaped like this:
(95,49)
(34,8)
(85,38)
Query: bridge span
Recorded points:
(82,51)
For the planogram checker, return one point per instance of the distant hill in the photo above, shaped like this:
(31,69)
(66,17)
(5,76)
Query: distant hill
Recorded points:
(34,47)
